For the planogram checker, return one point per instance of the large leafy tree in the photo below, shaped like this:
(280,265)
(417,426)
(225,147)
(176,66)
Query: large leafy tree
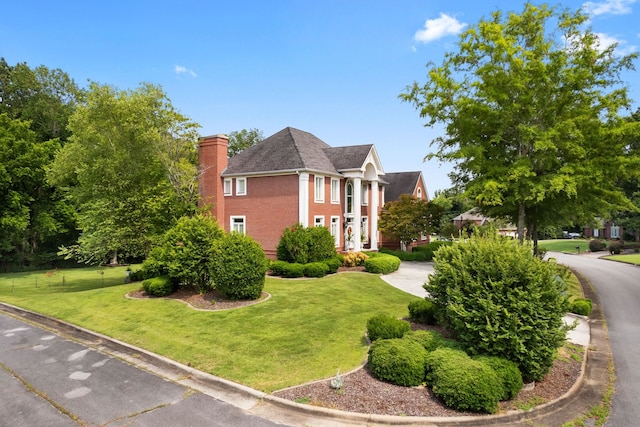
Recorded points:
(408,218)
(129,168)
(242,139)
(530,106)
(629,219)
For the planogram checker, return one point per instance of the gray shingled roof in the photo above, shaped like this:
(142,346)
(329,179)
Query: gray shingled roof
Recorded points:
(400,183)
(286,150)
(350,157)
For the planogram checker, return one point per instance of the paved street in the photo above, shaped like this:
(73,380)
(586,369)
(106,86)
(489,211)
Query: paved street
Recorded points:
(618,288)
(46,380)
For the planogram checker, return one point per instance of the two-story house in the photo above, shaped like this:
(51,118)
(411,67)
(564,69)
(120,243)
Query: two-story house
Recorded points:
(294,177)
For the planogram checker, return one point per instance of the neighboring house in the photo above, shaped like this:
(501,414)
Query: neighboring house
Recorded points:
(294,177)
(604,230)
(473,217)
(397,184)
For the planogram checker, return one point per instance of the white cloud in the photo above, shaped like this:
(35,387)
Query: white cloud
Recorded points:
(179,69)
(605,40)
(438,28)
(608,7)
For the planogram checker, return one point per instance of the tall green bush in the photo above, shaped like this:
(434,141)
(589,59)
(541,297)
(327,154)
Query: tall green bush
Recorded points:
(304,245)
(185,254)
(239,266)
(501,300)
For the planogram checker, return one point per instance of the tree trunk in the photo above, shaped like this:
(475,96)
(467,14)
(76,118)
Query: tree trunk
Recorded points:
(114,258)
(521,221)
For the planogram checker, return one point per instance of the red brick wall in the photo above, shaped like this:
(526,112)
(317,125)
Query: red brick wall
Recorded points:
(271,205)
(326,209)
(212,160)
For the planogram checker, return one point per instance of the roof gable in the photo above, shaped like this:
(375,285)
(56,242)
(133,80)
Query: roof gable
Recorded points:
(400,183)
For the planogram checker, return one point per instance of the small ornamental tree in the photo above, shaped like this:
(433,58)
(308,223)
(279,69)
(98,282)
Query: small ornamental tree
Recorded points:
(239,266)
(408,218)
(186,251)
(501,300)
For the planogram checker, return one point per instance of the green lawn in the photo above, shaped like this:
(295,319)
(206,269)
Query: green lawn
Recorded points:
(564,245)
(307,330)
(630,259)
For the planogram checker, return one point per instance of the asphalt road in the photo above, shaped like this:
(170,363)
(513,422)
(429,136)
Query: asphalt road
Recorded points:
(618,288)
(46,380)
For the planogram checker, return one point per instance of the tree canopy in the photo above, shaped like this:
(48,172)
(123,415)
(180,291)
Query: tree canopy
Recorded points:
(242,139)
(530,102)
(408,218)
(129,168)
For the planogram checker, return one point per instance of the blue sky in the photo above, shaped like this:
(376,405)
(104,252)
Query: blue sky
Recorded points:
(333,68)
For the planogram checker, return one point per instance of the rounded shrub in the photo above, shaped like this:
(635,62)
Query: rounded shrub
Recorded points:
(299,244)
(160,286)
(596,245)
(384,326)
(293,270)
(582,306)
(467,385)
(239,267)
(429,340)
(422,311)
(615,247)
(333,263)
(277,267)
(321,244)
(382,264)
(316,269)
(397,361)
(508,373)
(438,357)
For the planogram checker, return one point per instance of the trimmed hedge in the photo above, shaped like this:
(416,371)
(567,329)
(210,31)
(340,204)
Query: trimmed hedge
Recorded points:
(334,264)
(436,358)
(278,267)
(468,385)
(384,326)
(382,264)
(429,340)
(316,269)
(292,270)
(615,247)
(422,311)
(160,286)
(397,361)
(596,245)
(406,256)
(508,373)
(239,266)
(581,306)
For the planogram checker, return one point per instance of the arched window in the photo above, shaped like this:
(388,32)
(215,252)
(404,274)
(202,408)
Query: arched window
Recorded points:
(419,193)
(349,197)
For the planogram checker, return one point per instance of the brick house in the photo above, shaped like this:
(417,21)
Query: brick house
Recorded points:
(294,177)
(603,230)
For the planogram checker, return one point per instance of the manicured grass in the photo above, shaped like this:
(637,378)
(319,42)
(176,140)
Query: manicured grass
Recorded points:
(307,330)
(630,259)
(564,245)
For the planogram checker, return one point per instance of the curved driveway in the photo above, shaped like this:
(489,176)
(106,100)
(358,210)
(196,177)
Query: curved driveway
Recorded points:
(618,288)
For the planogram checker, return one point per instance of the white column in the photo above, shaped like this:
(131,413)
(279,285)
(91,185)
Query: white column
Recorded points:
(303,199)
(373,234)
(357,213)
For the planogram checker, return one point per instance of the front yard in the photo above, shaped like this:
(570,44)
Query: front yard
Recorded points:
(307,330)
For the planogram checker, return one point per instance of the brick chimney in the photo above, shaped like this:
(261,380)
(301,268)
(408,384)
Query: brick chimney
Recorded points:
(212,160)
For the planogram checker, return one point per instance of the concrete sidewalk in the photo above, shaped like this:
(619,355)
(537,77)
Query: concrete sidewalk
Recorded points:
(411,276)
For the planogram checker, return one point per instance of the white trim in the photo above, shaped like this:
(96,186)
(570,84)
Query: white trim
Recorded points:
(365,194)
(317,223)
(233,220)
(238,186)
(318,190)
(303,199)
(228,187)
(334,229)
(335,195)
(375,207)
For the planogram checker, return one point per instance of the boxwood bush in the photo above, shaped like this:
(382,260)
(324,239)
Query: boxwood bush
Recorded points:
(468,385)
(429,340)
(596,245)
(382,264)
(316,269)
(292,270)
(508,373)
(384,326)
(422,311)
(615,247)
(278,267)
(397,361)
(159,286)
(581,306)
(334,263)
(239,267)
(302,245)
(437,357)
